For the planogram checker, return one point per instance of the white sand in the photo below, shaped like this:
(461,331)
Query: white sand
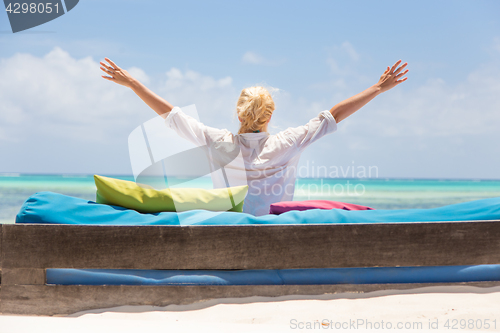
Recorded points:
(437,305)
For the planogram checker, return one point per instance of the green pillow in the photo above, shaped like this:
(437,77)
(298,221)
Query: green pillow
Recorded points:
(145,199)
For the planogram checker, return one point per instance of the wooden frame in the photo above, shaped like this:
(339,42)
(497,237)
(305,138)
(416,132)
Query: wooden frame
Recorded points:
(27,250)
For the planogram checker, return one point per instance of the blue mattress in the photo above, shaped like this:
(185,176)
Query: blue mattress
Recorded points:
(359,275)
(53,208)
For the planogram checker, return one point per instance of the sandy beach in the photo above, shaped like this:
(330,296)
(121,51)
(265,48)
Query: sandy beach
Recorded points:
(450,308)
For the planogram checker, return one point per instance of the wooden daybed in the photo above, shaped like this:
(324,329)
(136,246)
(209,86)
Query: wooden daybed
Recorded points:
(27,250)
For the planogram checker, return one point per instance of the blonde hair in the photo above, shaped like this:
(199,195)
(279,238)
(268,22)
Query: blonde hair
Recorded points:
(254,107)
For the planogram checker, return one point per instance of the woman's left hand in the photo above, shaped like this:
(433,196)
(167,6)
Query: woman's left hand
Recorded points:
(116,74)
(392,76)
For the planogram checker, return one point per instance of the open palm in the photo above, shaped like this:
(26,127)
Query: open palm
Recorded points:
(116,74)
(392,76)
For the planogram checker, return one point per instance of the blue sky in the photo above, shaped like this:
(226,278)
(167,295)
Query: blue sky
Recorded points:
(58,116)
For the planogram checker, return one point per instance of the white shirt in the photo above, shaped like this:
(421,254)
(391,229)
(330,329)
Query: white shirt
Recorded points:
(266,163)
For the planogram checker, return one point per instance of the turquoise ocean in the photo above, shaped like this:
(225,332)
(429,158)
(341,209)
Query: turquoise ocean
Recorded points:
(377,193)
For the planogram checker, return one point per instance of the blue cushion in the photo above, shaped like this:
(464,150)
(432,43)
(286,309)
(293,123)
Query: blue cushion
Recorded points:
(358,275)
(53,208)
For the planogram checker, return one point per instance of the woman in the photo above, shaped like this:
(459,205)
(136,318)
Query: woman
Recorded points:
(270,161)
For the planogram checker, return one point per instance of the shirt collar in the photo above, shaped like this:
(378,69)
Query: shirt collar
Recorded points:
(254,136)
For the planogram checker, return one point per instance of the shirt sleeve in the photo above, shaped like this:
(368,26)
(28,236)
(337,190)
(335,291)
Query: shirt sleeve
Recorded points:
(316,128)
(191,129)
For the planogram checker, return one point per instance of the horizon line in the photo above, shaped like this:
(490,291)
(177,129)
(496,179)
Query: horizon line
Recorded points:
(19,174)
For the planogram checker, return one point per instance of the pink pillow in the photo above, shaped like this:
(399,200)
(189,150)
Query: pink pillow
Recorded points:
(285,206)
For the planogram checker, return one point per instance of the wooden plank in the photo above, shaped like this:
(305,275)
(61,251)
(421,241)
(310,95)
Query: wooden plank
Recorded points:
(1,252)
(251,246)
(53,299)
(24,276)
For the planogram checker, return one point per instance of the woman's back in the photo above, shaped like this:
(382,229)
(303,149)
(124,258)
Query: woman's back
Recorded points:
(266,163)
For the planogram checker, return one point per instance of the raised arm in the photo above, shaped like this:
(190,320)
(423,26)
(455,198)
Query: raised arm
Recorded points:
(388,80)
(121,76)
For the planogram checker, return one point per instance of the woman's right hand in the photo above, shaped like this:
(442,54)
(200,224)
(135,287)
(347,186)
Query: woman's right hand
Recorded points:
(116,74)
(392,77)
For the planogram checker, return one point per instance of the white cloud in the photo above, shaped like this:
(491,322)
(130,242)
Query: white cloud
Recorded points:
(437,108)
(496,44)
(332,63)
(175,79)
(215,99)
(59,96)
(349,49)
(55,100)
(345,54)
(139,74)
(59,106)
(253,58)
